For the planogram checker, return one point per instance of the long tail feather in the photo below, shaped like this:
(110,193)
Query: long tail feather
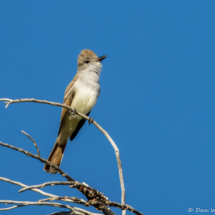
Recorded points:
(55,157)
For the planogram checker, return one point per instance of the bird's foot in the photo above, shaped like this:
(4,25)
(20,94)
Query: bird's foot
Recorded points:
(90,120)
(74,112)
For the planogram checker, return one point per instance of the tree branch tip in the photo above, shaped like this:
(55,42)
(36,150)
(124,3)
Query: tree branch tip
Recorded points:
(38,151)
(7,104)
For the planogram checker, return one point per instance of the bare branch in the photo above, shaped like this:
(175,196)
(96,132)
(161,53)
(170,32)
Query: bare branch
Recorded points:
(86,212)
(38,151)
(63,198)
(52,196)
(38,158)
(81,210)
(27,203)
(75,210)
(88,191)
(10,208)
(23,185)
(60,213)
(124,207)
(51,183)
(90,203)
(69,199)
(73,199)
(83,187)
(35,190)
(90,120)
(118,160)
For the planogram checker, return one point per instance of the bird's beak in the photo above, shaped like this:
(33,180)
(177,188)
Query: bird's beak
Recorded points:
(101,58)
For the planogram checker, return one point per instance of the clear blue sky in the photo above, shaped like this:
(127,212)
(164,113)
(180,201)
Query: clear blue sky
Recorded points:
(157,99)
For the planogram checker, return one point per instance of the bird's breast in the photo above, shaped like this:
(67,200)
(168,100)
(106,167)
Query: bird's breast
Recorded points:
(86,95)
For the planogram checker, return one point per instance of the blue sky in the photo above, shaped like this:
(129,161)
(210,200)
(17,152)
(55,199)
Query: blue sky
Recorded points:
(156,102)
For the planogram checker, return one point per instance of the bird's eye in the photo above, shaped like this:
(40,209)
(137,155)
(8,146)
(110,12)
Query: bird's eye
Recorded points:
(87,61)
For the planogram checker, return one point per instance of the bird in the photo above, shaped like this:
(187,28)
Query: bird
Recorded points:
(81,94)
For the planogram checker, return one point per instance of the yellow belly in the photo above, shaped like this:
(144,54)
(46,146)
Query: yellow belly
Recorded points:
(83,101)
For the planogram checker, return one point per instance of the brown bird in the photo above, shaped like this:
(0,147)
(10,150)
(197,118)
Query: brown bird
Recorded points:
(81,94)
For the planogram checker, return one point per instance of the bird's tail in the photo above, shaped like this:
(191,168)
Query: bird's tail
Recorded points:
(55,157)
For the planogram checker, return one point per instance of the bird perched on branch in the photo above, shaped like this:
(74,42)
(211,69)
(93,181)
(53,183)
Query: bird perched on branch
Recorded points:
(81,94)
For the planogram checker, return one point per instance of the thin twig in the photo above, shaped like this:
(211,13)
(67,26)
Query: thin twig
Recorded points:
(51,183)
(118,160)
(61,213)
(86,212)
(10,208)
(90,120)
(23,185)
(74,211)
(38,151)
(124,207)
(38,158)
(35,190)
(62,198)
(27,203)
(66,213)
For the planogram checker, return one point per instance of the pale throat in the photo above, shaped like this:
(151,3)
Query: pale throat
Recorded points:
(87,88)
(92,68)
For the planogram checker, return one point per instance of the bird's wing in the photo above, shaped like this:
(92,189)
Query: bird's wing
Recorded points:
(68,98)
(80,124)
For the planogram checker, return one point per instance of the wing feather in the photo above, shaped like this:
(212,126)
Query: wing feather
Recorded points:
(80,124)
(68,97)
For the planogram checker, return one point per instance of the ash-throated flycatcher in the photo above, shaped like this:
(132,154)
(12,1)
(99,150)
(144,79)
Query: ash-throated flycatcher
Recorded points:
(81,94)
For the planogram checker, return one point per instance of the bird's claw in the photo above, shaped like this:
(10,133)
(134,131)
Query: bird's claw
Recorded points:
(74,112)
(90,120)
